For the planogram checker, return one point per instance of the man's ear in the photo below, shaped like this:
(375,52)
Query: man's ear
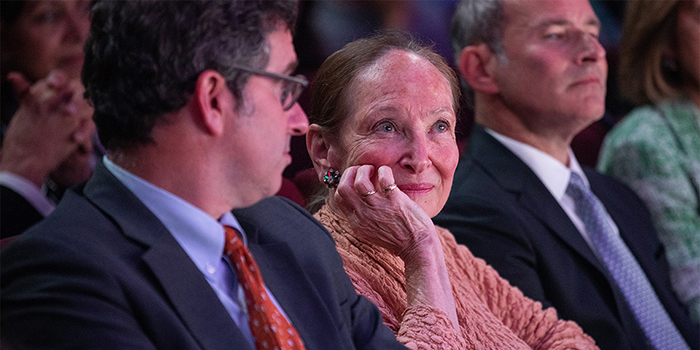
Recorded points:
(213,100)
(320,150)
(477,63)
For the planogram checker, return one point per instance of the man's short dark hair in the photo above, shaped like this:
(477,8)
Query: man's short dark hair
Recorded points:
(142,58)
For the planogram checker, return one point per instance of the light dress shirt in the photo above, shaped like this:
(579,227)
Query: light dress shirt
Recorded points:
(201,237)
(36,196)
(555,177)
(29,191)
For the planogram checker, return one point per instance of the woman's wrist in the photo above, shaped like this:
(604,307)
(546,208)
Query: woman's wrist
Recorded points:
(428,283)
(425,250)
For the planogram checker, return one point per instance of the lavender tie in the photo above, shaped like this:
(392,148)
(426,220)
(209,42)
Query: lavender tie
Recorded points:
(625,269)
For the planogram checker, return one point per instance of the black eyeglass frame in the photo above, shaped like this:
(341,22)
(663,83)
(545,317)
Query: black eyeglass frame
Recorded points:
(295,91)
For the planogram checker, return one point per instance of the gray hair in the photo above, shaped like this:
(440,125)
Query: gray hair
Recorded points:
(475,22)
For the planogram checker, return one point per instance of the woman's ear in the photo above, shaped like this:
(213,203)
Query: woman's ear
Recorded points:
(320,150)
(476,63)
(213,100)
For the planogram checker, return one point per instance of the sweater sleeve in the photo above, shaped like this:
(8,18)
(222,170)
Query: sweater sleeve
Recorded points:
(539,328)
(379,276)
(424,327)
(417,327)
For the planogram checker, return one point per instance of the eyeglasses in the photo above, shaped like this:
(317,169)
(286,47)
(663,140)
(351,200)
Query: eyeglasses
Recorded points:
(291,88)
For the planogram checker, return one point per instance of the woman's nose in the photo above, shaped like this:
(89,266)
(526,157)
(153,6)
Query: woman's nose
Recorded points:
(417,157)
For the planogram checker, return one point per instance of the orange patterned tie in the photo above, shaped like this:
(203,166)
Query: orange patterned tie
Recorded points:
(269,327)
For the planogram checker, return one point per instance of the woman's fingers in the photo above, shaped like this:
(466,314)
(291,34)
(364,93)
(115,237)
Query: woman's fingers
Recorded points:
(363,181)
(362,186)
(385,178)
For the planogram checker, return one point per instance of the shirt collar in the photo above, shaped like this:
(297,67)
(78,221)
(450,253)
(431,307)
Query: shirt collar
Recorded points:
(200,235)
(553,174)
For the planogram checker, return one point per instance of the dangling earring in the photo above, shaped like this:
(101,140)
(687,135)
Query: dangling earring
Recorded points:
(331,178)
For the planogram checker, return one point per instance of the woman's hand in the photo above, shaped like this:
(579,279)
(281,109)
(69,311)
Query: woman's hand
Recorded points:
(379,213)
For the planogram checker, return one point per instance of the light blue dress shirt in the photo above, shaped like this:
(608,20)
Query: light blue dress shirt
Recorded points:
(202,238)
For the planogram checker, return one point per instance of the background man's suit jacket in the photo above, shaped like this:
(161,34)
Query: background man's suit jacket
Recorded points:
(103,272)
(16,213)
(501,210)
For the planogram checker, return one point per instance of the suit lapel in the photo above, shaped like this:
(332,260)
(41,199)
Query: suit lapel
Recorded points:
(192,297)
(182,283)
(517,178)
(290,286)
(545,208)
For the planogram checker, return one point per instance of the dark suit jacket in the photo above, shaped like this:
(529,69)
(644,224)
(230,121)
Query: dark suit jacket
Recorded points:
(16,214)
(103,272)
(501,210)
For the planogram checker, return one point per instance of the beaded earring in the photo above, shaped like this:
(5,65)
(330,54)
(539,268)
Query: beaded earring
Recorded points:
(331,178)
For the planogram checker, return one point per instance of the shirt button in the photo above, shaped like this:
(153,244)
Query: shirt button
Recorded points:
(210,268)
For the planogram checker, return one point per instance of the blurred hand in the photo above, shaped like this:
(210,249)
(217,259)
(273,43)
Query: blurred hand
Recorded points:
(52,122)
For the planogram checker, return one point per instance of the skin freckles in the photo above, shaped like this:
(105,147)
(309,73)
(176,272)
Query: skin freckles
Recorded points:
(402,132)
(404,120)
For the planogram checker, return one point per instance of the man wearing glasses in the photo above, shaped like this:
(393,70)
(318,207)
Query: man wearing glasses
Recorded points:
(194,102)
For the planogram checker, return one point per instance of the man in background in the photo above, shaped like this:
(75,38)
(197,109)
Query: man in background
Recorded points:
(568,237)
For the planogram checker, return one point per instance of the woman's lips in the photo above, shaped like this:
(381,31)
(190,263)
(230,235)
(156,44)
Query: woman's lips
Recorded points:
(416,188)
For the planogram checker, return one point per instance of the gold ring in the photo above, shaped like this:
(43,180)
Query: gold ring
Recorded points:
(369,193)
(390,188)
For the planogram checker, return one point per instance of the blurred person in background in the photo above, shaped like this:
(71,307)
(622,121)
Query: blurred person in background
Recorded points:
(656,148)
(47,125)
(564,234)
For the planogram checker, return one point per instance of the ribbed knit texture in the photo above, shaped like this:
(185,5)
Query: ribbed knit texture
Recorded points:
(492,314)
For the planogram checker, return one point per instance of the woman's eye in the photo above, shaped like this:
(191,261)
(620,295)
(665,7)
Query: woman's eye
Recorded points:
(386,126)
(442,126)
(46,17)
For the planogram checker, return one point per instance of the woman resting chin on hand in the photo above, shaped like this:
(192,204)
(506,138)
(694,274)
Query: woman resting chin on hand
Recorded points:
(384,116)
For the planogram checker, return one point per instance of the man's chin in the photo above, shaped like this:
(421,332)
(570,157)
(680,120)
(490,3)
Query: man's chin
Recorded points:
(263,192)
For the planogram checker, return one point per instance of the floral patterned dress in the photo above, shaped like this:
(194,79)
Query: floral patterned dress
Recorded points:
(656,151)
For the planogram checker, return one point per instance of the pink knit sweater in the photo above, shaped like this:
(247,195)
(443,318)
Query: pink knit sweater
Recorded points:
(492,314)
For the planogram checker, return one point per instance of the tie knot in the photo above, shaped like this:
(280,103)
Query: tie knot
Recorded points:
(576,185)
(233,239)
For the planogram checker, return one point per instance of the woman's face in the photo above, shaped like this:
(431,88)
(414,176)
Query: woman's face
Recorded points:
(403,117)
(688,38)
(47,35)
